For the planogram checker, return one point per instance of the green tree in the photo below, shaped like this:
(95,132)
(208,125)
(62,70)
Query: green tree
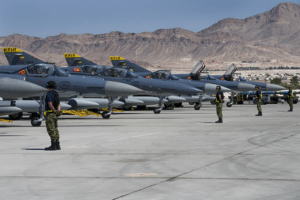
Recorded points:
(294,82)
(276,81)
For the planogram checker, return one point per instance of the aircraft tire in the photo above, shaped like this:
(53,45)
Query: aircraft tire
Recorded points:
(213,103)
(104,115)
(37,124)
(295,101)
(191,103)
(156,111)
(177,105)
(16,116)
(197,107)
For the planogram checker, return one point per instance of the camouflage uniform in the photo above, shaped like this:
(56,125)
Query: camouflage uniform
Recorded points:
(291,102)
(291,99)
(259,105)
(219,109)
(51,124)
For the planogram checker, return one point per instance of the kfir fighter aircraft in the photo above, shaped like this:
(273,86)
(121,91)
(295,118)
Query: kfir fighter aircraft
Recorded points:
(195,75)
(228,76)
(207,88)
(160,88)
(16,88)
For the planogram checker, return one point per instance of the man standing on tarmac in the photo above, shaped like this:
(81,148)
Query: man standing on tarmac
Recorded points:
(219,103)
(52,108)
(291,99)
(258,100)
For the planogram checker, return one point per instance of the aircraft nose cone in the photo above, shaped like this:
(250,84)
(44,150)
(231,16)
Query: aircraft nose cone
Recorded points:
(9,110)
(192,90)
(121,89)
(273,87)
(245,87)
(13,88)
(225,89)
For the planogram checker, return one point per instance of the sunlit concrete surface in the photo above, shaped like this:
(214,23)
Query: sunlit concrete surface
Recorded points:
(178,154)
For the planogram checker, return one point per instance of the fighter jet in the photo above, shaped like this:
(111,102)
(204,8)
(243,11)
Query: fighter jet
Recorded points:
(228,76)
(16,88)
(194,75)
(161,88)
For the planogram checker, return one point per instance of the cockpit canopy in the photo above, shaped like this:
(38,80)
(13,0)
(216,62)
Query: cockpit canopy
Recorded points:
(199,67)
(119,73)
(46,69)
(164,75)
(228,75)
(195,73)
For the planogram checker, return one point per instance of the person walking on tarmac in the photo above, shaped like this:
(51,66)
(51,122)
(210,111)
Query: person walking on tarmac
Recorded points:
(52,108)
(219,103)
(258,100)
(291,99)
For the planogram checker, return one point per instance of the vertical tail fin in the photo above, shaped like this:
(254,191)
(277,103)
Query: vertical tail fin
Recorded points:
(118,61)
(16,56)
(76,60)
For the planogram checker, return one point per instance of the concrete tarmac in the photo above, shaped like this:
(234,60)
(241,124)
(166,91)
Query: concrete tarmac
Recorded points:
(178,154)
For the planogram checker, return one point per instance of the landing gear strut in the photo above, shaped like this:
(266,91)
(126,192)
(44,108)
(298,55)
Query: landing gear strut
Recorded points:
(106,114)
(37,118)
(198,105)
(160,105)
(229,104)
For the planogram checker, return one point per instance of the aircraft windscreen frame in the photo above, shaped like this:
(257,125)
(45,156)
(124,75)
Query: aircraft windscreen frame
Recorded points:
(46,69)
(119,73)
(231,69)
(198,67)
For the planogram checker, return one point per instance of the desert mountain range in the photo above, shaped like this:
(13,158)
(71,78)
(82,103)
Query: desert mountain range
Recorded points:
(272,36)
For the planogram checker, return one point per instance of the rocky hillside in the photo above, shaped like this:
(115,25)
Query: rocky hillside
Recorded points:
(268,36)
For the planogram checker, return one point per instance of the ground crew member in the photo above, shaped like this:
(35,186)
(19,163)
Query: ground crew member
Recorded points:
(291,99)
(258,100)
(52,108)
(219,103)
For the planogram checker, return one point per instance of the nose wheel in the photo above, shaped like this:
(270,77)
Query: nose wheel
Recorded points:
(105,115)
(157,110)
(228,104)
(160,105)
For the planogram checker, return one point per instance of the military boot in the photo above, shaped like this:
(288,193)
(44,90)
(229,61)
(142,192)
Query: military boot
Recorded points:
(290,110)
(220,120)
(52,147)
(259,114)
(57,145)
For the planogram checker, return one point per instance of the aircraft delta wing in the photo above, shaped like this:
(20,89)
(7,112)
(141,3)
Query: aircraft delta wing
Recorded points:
(160,88)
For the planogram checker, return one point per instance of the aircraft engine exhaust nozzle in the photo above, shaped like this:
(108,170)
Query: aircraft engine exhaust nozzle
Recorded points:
(120,89)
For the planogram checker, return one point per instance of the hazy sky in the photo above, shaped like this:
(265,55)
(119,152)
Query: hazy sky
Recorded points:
(44,18)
